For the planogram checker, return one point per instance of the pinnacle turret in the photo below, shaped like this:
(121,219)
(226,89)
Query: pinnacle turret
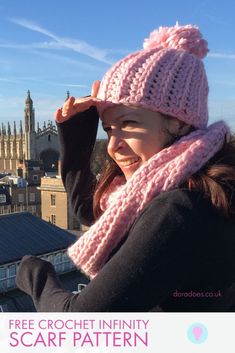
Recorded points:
(3,129)
(28,99)
(8,129)
(21,128)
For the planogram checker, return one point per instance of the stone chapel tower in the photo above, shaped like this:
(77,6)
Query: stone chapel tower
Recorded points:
(29,128)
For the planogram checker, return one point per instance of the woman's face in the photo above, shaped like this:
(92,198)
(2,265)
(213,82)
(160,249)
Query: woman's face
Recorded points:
(135,135)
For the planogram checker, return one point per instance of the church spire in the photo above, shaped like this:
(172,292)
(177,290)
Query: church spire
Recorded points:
(8,129)
(21,128)
(29,118)
(3,129)
(15,128)
(28,99)
(29,126)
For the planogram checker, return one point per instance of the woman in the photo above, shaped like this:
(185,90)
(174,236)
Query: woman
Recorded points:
(162,233)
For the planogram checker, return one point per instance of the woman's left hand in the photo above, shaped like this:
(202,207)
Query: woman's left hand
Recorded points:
(32,272)
(73,106)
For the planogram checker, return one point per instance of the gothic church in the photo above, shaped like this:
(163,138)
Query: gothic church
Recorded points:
(28,144)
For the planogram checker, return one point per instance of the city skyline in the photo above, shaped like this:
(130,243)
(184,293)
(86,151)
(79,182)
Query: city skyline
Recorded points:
(50,48)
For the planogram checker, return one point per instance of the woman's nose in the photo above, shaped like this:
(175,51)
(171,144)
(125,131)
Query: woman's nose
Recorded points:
(115,143)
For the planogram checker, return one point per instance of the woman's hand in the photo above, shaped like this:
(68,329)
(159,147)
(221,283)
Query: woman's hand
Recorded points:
(73,106)
(32,273)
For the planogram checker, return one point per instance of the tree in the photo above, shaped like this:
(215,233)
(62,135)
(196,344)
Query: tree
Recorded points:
(99,156)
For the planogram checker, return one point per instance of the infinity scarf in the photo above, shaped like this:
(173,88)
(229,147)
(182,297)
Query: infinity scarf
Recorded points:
(125,200)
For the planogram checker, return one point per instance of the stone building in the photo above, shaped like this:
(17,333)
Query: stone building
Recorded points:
(55,205)
(29,143)
(17,195)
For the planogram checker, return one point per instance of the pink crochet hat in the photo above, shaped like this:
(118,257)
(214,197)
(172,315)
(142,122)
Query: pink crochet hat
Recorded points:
(167,76)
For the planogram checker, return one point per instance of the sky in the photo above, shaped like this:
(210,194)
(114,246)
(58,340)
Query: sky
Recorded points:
(54,46)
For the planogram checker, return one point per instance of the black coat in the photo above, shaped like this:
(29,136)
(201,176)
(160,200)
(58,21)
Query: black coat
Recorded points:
(179,255)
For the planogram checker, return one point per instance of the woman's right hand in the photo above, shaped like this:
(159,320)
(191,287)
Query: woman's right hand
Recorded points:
(73,106)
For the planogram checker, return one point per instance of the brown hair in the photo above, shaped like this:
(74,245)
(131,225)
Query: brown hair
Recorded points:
(216,180)
(110,170)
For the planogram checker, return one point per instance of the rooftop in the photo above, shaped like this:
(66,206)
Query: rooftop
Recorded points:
(22,233)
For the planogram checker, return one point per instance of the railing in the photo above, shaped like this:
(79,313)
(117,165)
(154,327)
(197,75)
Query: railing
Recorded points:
(59,259)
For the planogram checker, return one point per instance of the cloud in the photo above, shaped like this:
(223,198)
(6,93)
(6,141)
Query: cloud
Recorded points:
(8,80)
(43,45)
(67,60)
(32,26)
(71,85)
(33,48)
(59,46)
(76,45)
(221,56)
(19,80)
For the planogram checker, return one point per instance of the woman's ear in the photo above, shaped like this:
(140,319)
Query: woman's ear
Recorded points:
(184,129)
(177,127)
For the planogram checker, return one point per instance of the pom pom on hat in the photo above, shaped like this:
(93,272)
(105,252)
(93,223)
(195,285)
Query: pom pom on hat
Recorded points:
(187,38)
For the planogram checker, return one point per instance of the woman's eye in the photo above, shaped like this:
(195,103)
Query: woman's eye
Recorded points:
(107,128)
(129,123)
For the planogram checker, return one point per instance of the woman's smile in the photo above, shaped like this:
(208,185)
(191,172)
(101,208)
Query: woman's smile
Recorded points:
(127,162)
(129,166)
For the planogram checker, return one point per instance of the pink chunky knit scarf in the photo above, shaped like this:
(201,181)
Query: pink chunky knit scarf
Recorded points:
(166,170)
